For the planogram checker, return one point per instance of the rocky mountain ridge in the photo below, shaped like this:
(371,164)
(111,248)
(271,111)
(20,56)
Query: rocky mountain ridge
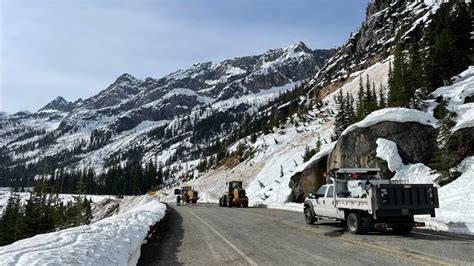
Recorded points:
(152,115)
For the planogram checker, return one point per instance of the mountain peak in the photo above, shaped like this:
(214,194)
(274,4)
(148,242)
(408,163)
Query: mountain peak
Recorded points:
(126,77)
(58,104)
(298,47)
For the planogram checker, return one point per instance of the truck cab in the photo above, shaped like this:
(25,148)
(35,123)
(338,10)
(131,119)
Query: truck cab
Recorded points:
(358,198)
(323,202)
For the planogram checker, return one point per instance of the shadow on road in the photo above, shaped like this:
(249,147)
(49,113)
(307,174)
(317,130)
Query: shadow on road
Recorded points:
(163,246)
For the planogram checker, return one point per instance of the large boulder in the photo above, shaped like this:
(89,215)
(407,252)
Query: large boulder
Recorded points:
(308,180)
(357,147)
(463,142)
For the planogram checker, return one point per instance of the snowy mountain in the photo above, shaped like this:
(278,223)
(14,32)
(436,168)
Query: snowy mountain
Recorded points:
(153,118)
(58,104)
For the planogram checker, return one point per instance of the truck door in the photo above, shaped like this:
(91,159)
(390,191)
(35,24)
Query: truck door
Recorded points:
(328,202)
(319,208)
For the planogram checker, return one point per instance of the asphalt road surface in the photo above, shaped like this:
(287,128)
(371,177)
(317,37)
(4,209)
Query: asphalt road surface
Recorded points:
(205,234)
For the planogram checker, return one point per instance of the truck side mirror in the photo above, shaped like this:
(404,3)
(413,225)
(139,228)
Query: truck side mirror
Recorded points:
(311,195)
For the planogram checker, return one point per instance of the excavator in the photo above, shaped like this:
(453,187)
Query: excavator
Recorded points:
(235,196)
(186,194)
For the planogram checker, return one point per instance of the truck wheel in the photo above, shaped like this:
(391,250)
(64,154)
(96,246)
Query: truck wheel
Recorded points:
(229,202)
(308,216)
(224,201)
(186,199)
(353,223)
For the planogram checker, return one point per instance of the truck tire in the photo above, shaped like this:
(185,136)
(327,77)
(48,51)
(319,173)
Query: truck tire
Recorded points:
(353,223)
(309,216)
(230,202)
(224,201)
(186,198)
(178,200)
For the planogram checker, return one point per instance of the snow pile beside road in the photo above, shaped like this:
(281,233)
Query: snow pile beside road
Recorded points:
(115,240)
(456,201)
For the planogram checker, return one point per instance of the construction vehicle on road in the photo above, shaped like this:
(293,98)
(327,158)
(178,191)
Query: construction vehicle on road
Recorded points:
(235,196)
(186,194)
(362,202)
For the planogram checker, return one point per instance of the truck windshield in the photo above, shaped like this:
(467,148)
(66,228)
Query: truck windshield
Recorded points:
(321,191)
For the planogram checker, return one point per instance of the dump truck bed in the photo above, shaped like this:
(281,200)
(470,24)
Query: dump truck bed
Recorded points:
(394,200)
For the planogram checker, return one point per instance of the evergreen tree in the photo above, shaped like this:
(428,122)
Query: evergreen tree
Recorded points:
(382,100)
(397,82)
(340,119)
(360,112)
(12,223)
(349,112)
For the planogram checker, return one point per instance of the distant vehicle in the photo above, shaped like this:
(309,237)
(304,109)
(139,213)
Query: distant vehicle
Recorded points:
(186,194)
(235,196)
(362,202)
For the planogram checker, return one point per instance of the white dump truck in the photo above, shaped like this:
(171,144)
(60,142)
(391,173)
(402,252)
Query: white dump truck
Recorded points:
(357,198)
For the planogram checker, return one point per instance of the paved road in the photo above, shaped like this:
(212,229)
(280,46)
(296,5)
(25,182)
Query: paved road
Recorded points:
(205,234)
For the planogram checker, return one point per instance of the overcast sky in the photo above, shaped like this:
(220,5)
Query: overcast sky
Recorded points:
(75,48)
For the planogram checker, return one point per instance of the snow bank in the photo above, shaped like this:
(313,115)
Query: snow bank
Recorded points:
(401,115)
(456,201)
(115,240)
(289,206)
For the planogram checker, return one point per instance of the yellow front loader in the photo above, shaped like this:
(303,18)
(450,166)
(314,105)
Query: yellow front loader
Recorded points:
(235,196)
(186,194)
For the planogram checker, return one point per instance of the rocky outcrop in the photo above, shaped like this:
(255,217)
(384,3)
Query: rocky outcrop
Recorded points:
(463,142)
(357,148)
(308,180)
(375,38)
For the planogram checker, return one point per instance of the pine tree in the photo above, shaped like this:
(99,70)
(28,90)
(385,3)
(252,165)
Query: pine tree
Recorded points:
(318,144)
(414,82)
(340,119)
(12,222)
(349,112)
(397,82)
(444,158)
(360,112)
(382,100)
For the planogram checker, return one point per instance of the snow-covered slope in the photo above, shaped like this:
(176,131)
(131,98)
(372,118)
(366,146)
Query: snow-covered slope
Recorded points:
(281,151)
(112,241)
